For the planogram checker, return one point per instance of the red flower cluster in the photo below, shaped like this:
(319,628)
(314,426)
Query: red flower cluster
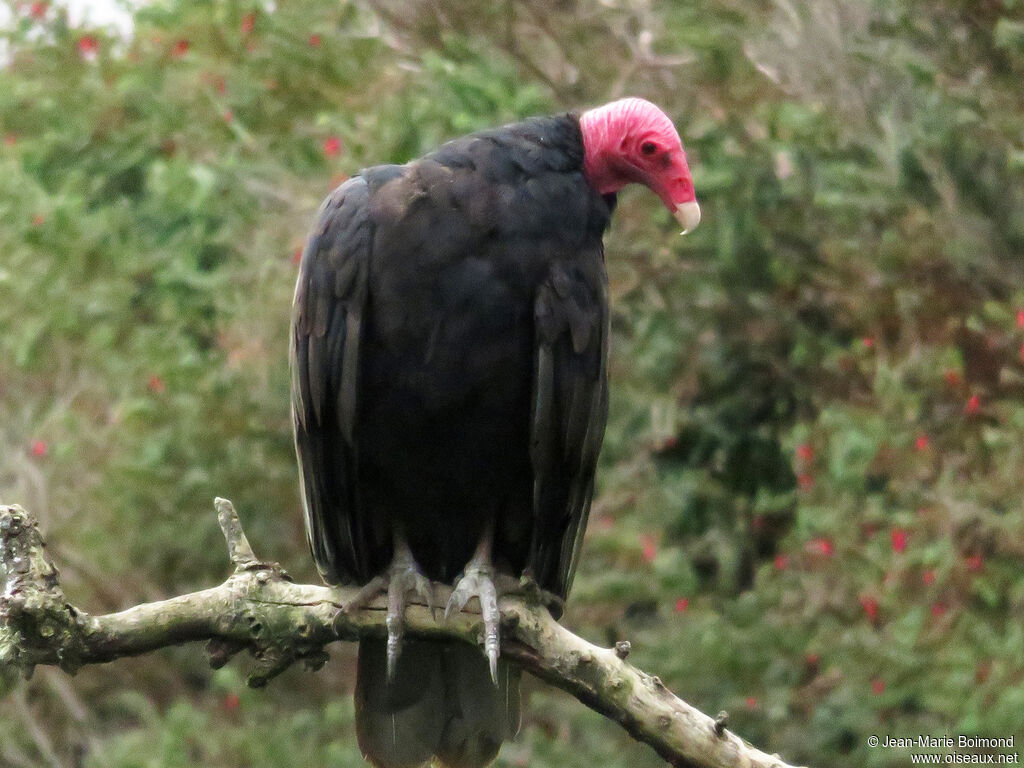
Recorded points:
(88,45)
(822,546)
(649,550)
(899,540)
(870,606)
(332,146)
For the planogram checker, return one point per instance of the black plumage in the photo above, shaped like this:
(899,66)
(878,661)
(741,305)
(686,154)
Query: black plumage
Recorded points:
(449,351)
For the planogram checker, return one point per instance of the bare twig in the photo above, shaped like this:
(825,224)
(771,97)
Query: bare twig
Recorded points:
(239,550)
(259,609)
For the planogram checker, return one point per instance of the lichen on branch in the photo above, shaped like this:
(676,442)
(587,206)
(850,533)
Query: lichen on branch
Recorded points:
(259,609)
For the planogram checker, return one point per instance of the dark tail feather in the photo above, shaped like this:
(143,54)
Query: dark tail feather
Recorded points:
(479,715)
(441,702)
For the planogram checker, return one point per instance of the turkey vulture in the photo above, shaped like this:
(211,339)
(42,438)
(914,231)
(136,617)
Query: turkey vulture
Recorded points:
(449,394)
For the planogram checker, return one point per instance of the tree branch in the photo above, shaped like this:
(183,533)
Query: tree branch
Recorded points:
(261,610)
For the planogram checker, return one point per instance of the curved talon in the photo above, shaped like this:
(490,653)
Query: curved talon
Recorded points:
(401,578)
(477,582)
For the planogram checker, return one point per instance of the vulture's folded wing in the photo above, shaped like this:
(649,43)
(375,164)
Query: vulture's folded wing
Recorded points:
(570,408)
(327,320)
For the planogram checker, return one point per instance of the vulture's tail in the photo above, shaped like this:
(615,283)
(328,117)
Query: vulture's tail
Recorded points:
(440,703)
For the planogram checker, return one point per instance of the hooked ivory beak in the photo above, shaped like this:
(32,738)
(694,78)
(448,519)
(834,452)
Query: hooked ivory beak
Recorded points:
(688,214)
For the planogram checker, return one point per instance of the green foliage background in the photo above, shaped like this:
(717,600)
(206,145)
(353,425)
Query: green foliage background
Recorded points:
(811,510)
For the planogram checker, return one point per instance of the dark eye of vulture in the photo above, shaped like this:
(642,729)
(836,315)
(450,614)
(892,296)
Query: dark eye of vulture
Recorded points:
(449,394)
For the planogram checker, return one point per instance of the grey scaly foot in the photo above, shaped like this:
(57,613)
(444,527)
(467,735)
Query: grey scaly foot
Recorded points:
(401,578)
(478,580)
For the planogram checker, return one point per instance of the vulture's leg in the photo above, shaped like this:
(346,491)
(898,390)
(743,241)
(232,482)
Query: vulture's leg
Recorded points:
(401,578)
(478,580)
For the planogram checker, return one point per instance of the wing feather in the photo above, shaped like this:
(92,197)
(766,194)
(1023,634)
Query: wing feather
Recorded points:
(330,299)
(570,408)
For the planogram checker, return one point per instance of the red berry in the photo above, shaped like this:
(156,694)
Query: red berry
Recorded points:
(751,702)
(781,562)
(952,377)
(180,48)
(682,604)
(314,41)
(38,10)
(921,443)
(878,686)
(928,577)
(38,220)
(228,116)
(938,609)
(973,405)
(805,481)
(156,384)
(232,702)
(868,342)
(974,563)
(39,448)
(812,659)
(805,452)
(248,22)
(1020,318)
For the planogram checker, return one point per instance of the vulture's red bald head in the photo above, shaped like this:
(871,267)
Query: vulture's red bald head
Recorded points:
(631,140)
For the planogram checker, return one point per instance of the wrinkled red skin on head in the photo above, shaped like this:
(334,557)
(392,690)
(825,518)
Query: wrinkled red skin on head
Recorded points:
(632,140)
